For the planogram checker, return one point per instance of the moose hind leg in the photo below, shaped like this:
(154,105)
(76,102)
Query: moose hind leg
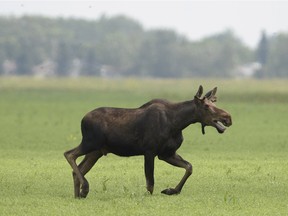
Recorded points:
(71,157)
(177,160)
(87,163)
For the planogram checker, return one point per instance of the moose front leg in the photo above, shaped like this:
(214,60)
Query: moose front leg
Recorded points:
(149,171)
(177,160)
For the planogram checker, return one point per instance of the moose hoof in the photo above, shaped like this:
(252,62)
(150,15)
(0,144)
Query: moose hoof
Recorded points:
(170,191)
(83,194)
(84,191)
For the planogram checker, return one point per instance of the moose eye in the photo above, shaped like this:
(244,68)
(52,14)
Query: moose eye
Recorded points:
(206,106)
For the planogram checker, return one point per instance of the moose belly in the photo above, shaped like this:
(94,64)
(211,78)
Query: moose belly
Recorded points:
(124,150)
(124,146)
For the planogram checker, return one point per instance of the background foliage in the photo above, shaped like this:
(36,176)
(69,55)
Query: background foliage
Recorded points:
(120,46)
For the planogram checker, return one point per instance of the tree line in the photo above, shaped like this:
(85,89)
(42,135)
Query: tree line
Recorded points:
(121,46)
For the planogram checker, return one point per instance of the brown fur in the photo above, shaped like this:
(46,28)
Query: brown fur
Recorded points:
(153,129)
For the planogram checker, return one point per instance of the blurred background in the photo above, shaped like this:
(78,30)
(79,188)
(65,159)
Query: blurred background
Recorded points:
(225,39)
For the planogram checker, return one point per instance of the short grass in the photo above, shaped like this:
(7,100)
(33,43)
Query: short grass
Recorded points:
(241,172)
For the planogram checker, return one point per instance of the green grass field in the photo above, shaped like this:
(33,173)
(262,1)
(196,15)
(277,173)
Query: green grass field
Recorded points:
(241,172)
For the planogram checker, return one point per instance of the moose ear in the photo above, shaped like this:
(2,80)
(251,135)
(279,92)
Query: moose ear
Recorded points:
(211,95)
(199,92)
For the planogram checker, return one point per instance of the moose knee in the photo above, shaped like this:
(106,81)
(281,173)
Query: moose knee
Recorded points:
(189,168)
(68,156)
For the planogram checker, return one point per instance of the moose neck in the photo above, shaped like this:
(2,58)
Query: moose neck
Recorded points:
(185,114)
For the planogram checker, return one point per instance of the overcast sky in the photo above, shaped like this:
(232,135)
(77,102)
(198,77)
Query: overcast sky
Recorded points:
(195,19)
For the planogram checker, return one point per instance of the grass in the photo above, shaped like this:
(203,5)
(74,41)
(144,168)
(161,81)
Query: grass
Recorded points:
(242,172)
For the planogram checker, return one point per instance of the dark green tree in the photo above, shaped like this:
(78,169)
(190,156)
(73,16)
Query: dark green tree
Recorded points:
(277,63)
(90,66)
(262,55)
(63,60)
(118,42)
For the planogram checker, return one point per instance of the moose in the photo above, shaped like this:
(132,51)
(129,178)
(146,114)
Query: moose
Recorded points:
(153,129)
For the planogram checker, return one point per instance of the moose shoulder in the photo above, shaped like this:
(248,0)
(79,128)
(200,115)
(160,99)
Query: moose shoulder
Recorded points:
(154,129)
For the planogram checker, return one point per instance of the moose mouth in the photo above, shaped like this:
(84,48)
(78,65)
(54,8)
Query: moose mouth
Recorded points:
(220,125)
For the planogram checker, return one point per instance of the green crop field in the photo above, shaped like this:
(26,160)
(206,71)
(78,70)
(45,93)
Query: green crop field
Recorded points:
(241,172)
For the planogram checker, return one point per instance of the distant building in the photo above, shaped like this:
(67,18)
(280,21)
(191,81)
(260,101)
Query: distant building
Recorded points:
(108,71)
(9,67)
(247,70)
(46,69)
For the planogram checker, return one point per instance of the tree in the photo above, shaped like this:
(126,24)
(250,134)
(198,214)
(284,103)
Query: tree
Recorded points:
(63,60)
(118,43)
(219,54)
(277,63)
(262,55)
(161,54)
(90,65)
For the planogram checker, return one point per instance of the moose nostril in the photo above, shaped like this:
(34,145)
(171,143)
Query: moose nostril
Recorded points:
(230,121)
(227,121)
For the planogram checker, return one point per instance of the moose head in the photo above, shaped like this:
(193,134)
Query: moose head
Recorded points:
(208,113)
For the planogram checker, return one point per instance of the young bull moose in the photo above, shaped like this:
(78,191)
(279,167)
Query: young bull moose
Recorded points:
(154,129)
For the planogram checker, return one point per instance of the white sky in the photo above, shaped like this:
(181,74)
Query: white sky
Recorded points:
(195,19)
